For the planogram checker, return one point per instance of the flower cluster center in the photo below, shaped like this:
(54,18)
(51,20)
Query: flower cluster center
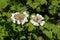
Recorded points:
(19,17)
(37,19)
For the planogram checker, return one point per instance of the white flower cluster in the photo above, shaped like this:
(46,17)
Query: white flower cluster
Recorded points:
(36,20)
(19,18)
(22,18)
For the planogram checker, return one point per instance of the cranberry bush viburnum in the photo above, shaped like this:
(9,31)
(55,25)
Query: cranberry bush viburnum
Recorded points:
(44,25)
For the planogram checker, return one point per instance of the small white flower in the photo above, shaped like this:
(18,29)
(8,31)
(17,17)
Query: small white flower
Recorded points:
(19,18)
(37,20)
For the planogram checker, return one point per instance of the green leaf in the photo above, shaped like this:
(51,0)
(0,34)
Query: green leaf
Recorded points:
(33,4)
(35,36)
(14,27)
(41,28)
(19,28)
(3,3)
(46,17)
(55,2)
(48,26)
(59,14)
(18,7)
(38,9)
(6,14)
(40,38)
(43,2)
(48,33)
(52,11)
(30,27)
(22,37)
(2,31)
(9,20)
(13,7)
(52,27)
(58,35)
(29,2)
(1,38)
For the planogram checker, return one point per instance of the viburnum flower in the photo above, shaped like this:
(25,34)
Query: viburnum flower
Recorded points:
(37,20)
(20,18)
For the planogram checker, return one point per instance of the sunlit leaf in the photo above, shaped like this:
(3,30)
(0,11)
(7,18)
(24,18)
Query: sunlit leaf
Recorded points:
(19,28)
(48,33)
(22,37)
(30,27)
(58,35)
(3,3)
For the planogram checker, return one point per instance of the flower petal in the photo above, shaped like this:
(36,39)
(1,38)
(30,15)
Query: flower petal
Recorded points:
(12,18)
(23,22)
(25,13)
(13,14)
(14,21)
(31,21)
(17,13)
(42,23)
(38,15)
(41,17)
(32,16)
(34,23)
(18,22)
(26,19)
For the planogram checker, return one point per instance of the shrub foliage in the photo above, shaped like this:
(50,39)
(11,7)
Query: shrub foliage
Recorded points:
(49,9)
